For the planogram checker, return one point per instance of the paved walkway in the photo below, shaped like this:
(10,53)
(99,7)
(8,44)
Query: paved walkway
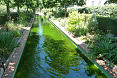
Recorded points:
(14,60)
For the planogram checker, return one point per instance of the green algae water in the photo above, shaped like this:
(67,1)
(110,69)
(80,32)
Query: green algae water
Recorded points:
(50,54)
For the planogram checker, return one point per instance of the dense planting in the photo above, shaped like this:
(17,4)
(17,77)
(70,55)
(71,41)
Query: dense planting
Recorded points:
(101,43)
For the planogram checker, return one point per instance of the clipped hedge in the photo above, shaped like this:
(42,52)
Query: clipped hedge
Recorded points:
(81,10)
(105,10)
(3,17)
(107,23)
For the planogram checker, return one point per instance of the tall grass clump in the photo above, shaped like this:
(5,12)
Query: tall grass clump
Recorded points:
(7,43)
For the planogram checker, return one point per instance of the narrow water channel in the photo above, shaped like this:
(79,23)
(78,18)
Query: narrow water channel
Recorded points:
(49,54)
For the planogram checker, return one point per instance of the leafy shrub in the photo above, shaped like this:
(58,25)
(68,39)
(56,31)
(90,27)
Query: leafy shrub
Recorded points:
(80,30)
(73,21)
(92,23)
(103,48)
(63,22)
(11,25)
(16,33)
(77,23)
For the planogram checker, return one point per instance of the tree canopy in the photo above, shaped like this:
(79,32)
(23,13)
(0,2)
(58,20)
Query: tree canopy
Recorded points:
(110,1)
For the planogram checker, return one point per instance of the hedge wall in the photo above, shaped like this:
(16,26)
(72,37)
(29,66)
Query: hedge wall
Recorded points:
(107,23)
(3,17)
(104,10)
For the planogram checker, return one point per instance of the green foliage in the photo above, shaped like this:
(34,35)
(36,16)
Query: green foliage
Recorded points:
(63,22)
(80,30)
(77,23)
(3,17)
(104,47)
(110,1)
(70,10)
(92,23)
(61,14)
(7,43)
(2,9)
(72,21)
(107,23)
(82,10)
(16,33)
(11,25)
(105,10)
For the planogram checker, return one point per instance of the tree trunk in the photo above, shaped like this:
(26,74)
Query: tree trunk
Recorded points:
(27,10)
(8,12)
(65,10)
(18,9)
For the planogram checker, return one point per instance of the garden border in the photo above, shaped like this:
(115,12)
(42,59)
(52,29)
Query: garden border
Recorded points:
(10,57)
(82,48)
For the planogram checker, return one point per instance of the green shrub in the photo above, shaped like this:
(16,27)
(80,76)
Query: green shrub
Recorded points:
(104,10)
(16,33)
(104,47)
(82,10)
(92,23)
(107,23)
(3,9)
(80,30)
(3,17)
(61,14)
(70,10)
(11,25)
(77,23)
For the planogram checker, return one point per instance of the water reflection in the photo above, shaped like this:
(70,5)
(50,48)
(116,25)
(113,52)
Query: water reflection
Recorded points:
(49,54)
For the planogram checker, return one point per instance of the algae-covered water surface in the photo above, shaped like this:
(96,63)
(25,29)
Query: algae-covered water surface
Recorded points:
(50,54)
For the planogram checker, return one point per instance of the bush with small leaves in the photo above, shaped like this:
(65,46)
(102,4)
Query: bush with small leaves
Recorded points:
(92,23)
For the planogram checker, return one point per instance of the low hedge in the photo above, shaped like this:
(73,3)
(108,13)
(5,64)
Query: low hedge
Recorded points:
(107,23)
(3,17)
